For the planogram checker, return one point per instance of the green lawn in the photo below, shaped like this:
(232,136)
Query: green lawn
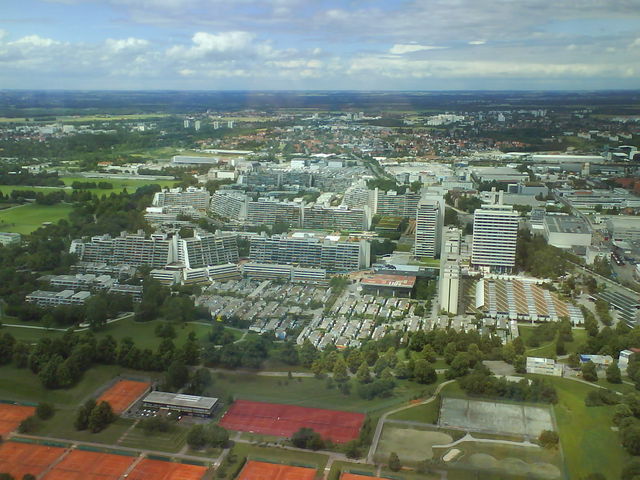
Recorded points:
(143,333)
(118,184)
(548,350)
(427,413)
(277,455)
(61,426)
(27,218)
(588,443)
(172,441)
(306,392)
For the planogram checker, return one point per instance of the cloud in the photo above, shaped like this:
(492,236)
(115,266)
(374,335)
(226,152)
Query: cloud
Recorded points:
(126,44)
(477,42)
(402,48)
(635,43)
(208,44)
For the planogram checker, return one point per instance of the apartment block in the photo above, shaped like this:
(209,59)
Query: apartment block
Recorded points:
(339,218)
(429,223)
(495,235)
(198,198)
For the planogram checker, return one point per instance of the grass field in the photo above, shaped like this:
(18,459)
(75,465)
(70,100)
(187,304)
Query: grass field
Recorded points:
(305,392)
(412,444)
(119,185)
(427,413)
(27,218)
(143,333)
(588,443)
(172,441)
(548,350)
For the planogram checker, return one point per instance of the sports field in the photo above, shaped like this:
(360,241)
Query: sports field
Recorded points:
(85,465)
(273,471)
(19,459)
(284,420)
(149,469)
(412,444)
(123,393)
(12,415)
(495,417)
(353,476)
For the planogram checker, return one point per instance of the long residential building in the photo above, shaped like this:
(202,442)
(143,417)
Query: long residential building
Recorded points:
(495,234)
(44,298)
(396,204)
(198,198)
(204,249)
(340,218)
(230,204)
(268,211)
(332,253)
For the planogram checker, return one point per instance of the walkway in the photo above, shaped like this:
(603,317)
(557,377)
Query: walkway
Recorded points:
(383,418)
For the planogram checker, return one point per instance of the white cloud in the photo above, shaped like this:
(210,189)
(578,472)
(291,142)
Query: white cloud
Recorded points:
(635,43)
(131,44)
(477,42)
(402,48)
(207,44)
(34,41)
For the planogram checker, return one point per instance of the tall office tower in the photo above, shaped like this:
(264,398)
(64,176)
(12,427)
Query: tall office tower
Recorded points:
(186,123)
(495,234)
(449,290)
(429,222)
(197,125)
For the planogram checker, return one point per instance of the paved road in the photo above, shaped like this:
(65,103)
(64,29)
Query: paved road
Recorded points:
(383,418)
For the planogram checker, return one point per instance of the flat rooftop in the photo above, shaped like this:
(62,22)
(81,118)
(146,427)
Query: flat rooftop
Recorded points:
(396,281)
(566,224)
(181,400)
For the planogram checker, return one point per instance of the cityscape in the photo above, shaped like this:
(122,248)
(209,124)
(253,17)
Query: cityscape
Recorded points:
(265,241)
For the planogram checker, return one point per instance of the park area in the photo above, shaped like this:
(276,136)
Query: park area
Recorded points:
(27,218)
(495,417)
(284,420)
(12,415)
(254,470)
(123,393)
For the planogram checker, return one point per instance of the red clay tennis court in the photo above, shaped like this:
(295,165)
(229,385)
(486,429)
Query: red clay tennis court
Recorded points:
(18,459)
(123,393)
(12,415)
(149,469)
(353,476)
(84,465)
(273,471)
(284,420)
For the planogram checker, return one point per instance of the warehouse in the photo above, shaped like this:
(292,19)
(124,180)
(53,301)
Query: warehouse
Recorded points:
(185,404)
(395,285)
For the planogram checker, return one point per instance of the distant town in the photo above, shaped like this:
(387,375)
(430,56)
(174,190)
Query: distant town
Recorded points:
(437,292)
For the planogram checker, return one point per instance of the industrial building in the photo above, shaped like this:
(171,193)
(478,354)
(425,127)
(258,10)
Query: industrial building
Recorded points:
(495,235)
(181,403)
(393,285)
(566,231)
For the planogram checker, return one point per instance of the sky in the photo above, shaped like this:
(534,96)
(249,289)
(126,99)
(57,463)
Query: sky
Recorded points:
(320,44)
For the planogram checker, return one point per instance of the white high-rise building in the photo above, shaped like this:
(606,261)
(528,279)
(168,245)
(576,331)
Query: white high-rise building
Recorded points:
(495,235)
(450,270)
(429,222)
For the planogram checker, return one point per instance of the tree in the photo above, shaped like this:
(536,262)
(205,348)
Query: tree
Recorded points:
(621,412)
(177,374)
(197,438)
(589,372)
(100,417)
(508,353)
(459,366)
(428,353)
(560,347)
(631,439)
(574,360)
(352,449)
(423,372)
(45,410)
(518,345)
(394,462)
(631,470)
(548,439)
(340,374)
(82,417)
(363,375)
(307,354)
(613,373)
(307,438)
(28,425)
